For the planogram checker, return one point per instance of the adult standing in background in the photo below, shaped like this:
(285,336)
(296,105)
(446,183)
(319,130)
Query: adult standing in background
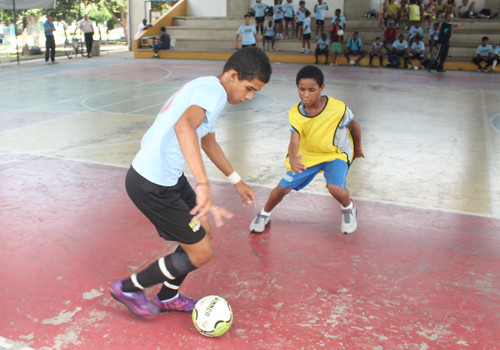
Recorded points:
(50,43)
(445,33)
(85,25)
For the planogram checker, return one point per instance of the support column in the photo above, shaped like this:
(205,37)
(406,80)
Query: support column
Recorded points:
(237,8)
(355,9)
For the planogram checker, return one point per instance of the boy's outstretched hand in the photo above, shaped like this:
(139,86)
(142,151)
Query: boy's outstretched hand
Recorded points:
(296,164)
(358,153)
(246,193)
(205,205)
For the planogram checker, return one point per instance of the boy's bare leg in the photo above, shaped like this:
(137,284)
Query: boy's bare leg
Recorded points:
(340,194)
(276,196)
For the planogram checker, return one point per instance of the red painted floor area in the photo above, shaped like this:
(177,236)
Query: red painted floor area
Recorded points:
(407,279)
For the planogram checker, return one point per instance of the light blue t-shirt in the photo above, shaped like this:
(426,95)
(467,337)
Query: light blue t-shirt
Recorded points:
(320,11)
(497,50)
(414,31)
(306,27)
(289,9)
(342,20)
(248,34)
(260,9)
(48,25)
(433,34)
(323,44)
(160,159)
(484,50)
(301,14)
(400,45)
(278,11)
(418,48)
(354,45)
(270,30)
(377,46)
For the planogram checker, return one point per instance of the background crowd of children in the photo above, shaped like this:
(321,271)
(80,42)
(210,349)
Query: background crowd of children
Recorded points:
(410,16)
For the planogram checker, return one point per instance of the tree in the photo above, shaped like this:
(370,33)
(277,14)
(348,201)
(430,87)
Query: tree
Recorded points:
(118,10)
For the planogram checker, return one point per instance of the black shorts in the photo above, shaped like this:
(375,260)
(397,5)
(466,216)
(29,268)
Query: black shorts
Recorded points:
(288,19)
(166,207)
(322,51)
(242,46)
(268,38)
(299,24)
(320,22)
(276,21)
(260,19)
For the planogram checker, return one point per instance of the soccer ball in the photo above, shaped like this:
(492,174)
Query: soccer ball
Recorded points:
(212,316)
(352,62)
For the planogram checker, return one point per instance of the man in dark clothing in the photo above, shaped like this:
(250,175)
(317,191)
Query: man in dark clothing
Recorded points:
(445,33)
(163,42)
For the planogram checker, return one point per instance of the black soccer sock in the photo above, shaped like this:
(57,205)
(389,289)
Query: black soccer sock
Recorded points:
(170,288)
(167,269)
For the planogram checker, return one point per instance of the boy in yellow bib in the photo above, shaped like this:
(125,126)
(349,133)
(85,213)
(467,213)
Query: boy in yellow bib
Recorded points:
(324,137)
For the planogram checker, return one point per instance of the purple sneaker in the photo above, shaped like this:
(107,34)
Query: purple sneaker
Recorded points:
(138,303)
(181,303)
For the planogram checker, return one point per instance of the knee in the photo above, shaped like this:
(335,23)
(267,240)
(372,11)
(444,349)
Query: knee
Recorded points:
(202,256)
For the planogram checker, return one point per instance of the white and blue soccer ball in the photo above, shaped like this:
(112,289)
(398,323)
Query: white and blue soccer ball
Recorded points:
(212,316)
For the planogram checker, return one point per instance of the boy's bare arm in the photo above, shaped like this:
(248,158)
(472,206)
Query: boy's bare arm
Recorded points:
(216,154)
(185,130)
(356,136)
(293,153)
(236,41)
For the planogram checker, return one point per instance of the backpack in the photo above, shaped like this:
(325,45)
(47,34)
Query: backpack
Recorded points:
(394,60)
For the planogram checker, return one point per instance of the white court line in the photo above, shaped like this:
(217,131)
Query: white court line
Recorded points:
(493,178)
(168,74)
(270,187)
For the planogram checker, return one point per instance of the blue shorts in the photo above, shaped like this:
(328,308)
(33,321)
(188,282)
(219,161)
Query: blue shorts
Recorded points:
(335,174)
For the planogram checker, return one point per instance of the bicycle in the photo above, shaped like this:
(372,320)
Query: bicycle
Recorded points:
(74,46)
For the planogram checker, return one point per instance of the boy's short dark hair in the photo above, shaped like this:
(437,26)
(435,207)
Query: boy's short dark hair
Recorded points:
(163,29)
(250,63)
(310,72)
(485,38)
(246,15)
(377,38)
(308,13)
(302,2)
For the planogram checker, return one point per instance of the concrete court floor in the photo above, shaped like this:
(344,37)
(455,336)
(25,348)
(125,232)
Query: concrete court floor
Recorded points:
(421,271)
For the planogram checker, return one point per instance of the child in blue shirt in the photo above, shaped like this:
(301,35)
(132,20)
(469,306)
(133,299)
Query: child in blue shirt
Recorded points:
(496,55)
(377,50)
(483,54)
(157,186)
(322,48)
(269,36)
(354,48)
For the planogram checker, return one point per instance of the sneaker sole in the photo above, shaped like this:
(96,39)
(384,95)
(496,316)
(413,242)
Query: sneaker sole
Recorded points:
(131,310)
(257,232)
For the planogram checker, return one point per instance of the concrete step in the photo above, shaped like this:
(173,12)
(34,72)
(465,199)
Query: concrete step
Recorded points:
(474,25)
(367,36)
(286,46)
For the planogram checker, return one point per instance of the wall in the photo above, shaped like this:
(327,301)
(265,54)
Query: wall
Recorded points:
(217,8)
(207,8)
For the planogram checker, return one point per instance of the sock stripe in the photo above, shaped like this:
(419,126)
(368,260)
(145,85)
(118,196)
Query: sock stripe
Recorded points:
(171,286)
(164,270)
(135,282)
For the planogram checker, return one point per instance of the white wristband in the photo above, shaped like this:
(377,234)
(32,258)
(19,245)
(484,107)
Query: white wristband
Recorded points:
(234,178)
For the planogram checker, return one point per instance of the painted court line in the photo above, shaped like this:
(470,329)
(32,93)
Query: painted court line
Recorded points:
(270,187)
(493,178)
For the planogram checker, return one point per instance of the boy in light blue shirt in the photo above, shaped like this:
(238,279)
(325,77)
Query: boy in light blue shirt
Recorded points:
(322,48)
(320,9)
(483,54)
(157,186)
(289,15)
(496,55)
(248,33)
(259,8)
(354,48)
